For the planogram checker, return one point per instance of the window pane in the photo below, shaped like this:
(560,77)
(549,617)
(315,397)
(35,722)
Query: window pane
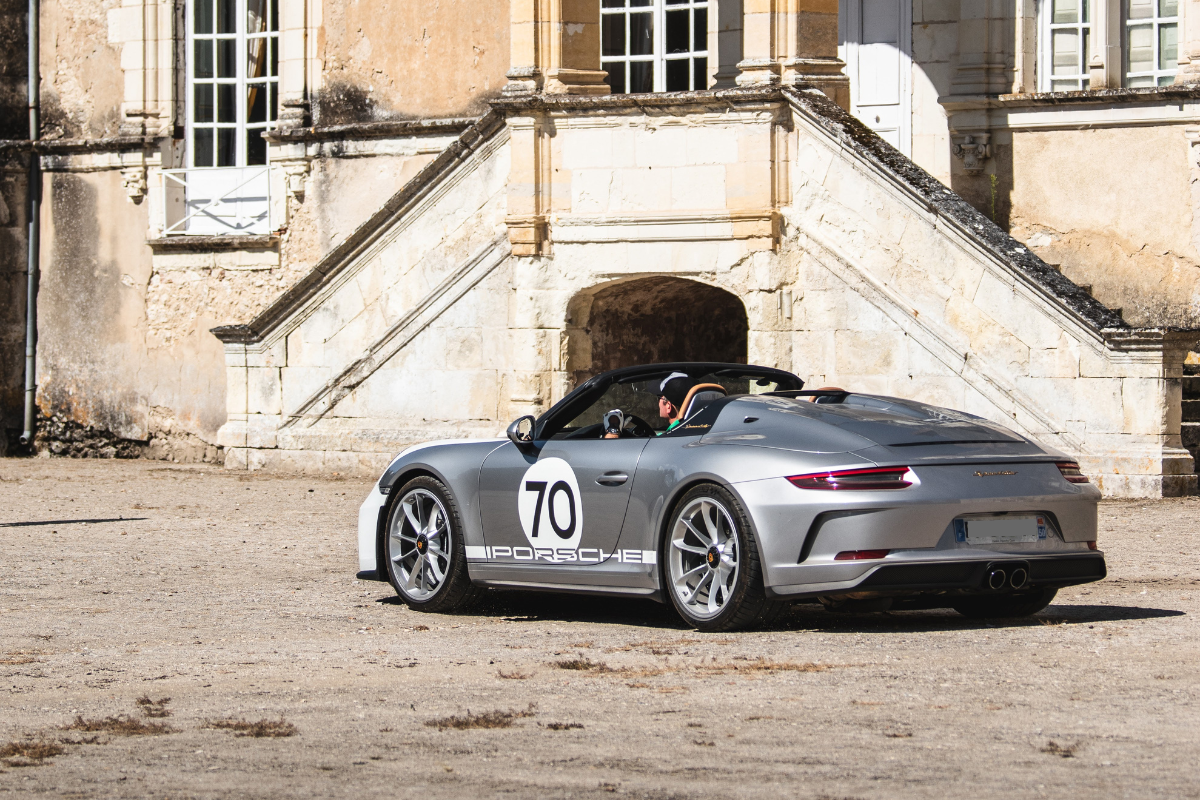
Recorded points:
(226,102)
(1168,8)
(226,21)
(226,53)
(1139,9)
(256,103)
(1064,46)
(202,147)
(641,77)
(226,157)
(203,16)
(274,26)
(677,32)
(700,30)
(612,34)
(1140,48)
(641,34)
(256,57)
(256,147)
(1168,46)
(1066,11)
(1140,83)
(700,74)
(676,2)
(614,3)
(616,76)
(1064,86)
(677,75)
(274,89)
(204,103)
(274,58)
(256,16)
(204,59)
(640,3)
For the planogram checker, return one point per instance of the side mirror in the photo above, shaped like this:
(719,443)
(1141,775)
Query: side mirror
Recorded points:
(520,432)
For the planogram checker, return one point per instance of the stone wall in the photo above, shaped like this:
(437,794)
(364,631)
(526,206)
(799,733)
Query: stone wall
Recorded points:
(389,60)
(1125,229)
(83,84)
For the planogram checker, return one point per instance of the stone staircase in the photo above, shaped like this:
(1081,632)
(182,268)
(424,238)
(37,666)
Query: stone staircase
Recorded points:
(1191,411)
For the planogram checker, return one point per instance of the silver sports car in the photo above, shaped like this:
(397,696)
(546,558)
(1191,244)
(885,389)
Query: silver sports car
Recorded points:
(730,491)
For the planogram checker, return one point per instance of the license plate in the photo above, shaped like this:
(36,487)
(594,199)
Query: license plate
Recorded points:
(1004,530)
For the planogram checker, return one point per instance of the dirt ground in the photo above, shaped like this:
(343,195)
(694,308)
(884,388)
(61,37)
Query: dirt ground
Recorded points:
(234,596)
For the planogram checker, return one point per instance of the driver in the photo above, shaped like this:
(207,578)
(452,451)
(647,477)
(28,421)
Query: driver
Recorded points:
(671,394)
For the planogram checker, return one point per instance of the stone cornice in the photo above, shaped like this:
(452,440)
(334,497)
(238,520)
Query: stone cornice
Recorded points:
(372,130)
(636,102)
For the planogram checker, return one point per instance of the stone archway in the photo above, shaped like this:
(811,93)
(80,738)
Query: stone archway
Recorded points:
(651,320)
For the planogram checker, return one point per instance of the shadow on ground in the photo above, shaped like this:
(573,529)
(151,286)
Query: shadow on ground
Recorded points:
(517,606)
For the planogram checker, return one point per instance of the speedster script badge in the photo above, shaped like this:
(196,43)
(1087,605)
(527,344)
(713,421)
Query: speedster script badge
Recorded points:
(549,505)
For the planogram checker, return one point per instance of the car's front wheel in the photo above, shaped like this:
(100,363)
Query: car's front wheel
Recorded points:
(713,575)
(424,552)
(1022,604)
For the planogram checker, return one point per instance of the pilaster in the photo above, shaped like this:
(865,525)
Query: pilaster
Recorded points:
(793,42)
(555,48)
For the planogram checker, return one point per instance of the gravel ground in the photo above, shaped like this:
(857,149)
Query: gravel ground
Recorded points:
(234,596)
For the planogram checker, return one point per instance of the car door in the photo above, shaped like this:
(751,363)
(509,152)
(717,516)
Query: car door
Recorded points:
(562,506)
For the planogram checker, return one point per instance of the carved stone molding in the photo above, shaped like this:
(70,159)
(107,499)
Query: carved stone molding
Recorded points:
(133,179)
(973,150)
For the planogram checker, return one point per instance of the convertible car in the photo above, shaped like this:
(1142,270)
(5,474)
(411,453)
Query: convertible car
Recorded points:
(762,494)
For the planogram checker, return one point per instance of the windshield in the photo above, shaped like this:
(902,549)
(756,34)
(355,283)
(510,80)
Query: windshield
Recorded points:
(637,399)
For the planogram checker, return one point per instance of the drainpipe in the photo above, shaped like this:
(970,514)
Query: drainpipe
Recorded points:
(35,211)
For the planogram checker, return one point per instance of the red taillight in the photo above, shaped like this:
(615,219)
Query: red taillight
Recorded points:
(1070,471)
(860,555)
(871,478)
(1093,546)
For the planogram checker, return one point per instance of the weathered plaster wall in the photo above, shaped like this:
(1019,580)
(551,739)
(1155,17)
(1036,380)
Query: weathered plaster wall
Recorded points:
(383,59)
(13,66)
(1114,208)
(82,80)
(12,297)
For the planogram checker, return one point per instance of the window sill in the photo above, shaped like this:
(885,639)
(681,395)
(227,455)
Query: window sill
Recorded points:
(1154,94)
(209,244)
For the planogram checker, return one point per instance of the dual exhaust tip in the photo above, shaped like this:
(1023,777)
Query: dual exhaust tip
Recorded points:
(1006,576)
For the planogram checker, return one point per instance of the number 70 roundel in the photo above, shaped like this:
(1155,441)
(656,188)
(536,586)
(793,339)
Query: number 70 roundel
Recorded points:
(548,502)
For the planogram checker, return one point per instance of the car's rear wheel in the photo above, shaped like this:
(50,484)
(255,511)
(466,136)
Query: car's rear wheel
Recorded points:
(1021,604)
(424,552)
(713,575)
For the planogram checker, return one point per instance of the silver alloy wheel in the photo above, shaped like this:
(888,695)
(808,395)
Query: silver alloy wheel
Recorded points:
(703,562)
(420,544)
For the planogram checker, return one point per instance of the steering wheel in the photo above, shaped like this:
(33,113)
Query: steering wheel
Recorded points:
(636,426)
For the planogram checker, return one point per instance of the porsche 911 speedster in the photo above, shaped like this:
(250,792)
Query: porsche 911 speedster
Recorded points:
(758,495)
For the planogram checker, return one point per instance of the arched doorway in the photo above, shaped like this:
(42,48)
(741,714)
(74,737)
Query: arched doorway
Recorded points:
(653,320)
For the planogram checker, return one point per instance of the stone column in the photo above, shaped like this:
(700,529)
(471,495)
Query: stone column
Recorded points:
(555,46)
(793,42)
(728,37)
(293,64)
(1189,42)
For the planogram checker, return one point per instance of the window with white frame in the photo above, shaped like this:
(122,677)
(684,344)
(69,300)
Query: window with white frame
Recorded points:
(1065,45)
(655,45)
(233,64)
(1151,42)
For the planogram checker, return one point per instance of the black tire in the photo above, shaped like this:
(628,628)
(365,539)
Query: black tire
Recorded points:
(1021,604)
(747,604)
(454,591)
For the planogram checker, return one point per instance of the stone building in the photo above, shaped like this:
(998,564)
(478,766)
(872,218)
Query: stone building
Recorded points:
(304,233)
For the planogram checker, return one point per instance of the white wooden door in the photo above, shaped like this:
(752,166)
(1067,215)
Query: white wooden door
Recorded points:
(876,43)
